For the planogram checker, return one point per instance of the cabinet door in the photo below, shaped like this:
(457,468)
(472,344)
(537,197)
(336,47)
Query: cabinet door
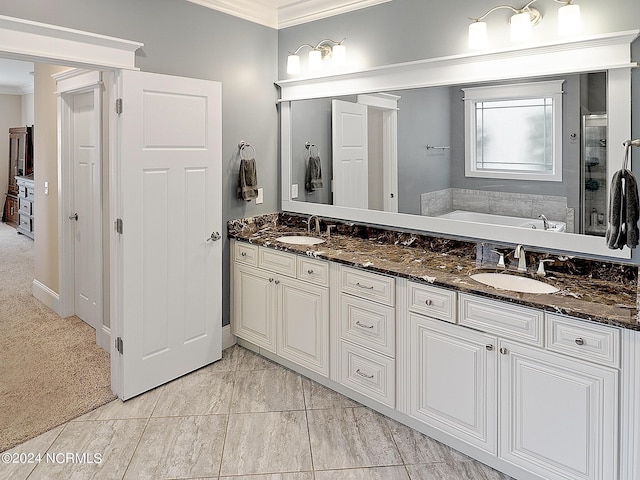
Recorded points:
(255,306)
(453,380)
(303,336)
(558,415)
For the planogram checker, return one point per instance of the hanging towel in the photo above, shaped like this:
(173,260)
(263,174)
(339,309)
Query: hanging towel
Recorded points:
(624,211)
(248,179)
(313,178)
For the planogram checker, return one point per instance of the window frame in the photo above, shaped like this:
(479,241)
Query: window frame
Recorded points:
(520,91)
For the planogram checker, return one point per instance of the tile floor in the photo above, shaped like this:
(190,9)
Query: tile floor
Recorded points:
(242,418)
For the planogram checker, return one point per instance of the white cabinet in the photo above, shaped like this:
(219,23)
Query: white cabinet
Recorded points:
(452,380)
(282,304)
(558,416)
(367,334)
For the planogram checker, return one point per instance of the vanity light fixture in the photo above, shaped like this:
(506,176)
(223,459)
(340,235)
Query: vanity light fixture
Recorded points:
(522,21)
(326,49)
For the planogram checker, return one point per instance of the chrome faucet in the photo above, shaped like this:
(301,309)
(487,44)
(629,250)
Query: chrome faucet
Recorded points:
(520,254)
(545,222)
(317,224)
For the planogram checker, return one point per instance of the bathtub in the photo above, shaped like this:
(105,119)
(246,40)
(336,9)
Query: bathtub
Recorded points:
(520,222)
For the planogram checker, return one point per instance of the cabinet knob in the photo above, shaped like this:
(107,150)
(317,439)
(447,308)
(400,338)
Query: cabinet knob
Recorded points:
(244,254)
(277,282)
(270,280)
(310,272)
(579,341)
(429,302)
(489,347)
(504,351)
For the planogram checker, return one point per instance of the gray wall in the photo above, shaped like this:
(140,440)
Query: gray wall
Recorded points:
(181,38)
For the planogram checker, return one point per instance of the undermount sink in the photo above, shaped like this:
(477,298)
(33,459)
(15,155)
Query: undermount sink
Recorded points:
(515,283)
(300,240)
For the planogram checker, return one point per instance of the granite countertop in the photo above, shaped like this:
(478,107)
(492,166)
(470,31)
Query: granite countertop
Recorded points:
(591,290)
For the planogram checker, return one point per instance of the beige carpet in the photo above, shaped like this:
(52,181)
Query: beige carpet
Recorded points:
(51,369)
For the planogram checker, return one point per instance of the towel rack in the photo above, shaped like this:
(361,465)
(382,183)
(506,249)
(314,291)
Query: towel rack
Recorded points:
(242,145)
(431,147)
(309,146)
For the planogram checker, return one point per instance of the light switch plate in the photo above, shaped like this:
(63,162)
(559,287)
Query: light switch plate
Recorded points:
(260,197)
(46,188)
(294,190)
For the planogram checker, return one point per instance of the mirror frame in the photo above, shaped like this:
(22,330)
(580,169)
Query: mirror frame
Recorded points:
(609,52)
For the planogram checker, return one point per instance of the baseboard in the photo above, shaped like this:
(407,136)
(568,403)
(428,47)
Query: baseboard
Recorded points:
(228,338)
(47,296)
(103,338)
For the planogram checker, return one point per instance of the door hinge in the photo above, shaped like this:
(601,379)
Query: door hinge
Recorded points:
(118,106)
(118,225)
(120,345)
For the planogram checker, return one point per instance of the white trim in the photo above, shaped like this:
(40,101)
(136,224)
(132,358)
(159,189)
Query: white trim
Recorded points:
(602,52)
(228,338)
(296,13)
(46,296)
(103,338)
(41,42)
(629,406)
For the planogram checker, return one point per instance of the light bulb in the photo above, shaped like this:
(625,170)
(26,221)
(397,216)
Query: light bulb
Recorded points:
(478,35)
(315,60)
(293,64)
(339,55)
(569,20)
(520,27)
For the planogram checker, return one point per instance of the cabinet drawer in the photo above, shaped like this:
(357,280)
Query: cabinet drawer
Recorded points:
(432,301)
(368,373)
(30,193)
(26,223)
(583,340)
(314,271)
(367,324)
(246,253)
(509,321)
(277,262)
(22,191)
(368,285)
(25,206)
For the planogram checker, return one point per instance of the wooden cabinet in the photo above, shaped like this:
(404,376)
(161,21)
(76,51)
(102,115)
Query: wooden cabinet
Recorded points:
(20,164)
(282,305)
(558,416)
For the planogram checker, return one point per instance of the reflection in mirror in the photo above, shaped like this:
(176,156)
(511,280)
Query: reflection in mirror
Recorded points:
(430,168)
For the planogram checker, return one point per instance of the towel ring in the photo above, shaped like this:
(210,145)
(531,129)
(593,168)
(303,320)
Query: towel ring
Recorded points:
(242,145)
(309,146)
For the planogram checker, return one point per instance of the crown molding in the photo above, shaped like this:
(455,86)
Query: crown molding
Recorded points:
(286,16)
(17,90)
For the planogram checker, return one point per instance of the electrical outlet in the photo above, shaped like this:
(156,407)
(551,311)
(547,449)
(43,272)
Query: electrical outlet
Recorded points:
(46,188)
(294,190)
(260,197)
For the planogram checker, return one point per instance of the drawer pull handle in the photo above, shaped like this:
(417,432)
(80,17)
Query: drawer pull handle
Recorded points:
(364,375)
(579,341)
(489,347)
(429,302)
(244,254)
(277,282)
(363,286)
(270,280)
(504,351)
(310,272)
(362,325)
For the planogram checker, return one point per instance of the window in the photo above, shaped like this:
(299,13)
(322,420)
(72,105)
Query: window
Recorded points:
(514,131)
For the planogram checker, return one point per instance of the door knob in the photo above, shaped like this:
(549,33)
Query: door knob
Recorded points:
(74,217)
(215,236)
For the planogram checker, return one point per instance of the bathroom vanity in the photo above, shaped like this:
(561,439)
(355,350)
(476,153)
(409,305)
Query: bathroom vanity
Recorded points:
(538,386)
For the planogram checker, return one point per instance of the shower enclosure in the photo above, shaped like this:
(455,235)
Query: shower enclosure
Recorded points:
(594,174)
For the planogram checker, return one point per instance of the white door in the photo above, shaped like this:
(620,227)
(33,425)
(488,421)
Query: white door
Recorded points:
(169,273)
(350,154)
(86,215)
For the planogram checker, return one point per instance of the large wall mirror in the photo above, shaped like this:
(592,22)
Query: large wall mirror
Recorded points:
(400,156)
